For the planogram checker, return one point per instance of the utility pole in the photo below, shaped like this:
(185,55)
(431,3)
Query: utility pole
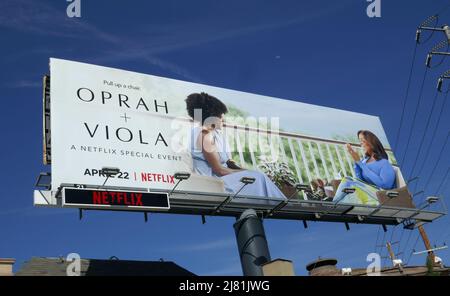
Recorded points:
(393,259)
(426,242)
(391,253)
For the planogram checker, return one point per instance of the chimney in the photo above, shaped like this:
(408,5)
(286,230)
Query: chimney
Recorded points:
(323,267)
(6,266)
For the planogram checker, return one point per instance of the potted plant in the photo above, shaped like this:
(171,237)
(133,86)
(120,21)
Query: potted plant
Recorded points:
(279,173)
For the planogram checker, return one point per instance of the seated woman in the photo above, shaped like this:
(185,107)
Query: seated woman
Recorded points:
(211,153)
(373,173)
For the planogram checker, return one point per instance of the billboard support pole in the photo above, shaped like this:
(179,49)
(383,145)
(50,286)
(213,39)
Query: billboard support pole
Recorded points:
(252,244)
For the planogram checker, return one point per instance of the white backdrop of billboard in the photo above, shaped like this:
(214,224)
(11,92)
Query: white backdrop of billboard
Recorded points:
(105,117)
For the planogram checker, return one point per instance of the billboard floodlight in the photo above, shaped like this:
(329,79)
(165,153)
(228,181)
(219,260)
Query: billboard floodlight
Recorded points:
(110,171)
(392,194)
(247,180)
(348,190)
(180,176)
(432,199)
(302,187)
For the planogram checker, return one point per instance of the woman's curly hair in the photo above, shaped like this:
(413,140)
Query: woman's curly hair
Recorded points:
(209,105)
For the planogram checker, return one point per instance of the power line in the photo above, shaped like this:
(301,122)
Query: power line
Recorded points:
(400,240)
(433,137)
(437,160)
(427,183)
(424,134)
(406,244)
(443,181)
(406,96)
(376,242)
(412,250)
(415,115)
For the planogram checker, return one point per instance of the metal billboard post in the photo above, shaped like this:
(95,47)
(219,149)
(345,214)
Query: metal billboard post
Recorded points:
(252,243)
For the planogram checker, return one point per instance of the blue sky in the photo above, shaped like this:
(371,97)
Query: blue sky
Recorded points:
(325,52)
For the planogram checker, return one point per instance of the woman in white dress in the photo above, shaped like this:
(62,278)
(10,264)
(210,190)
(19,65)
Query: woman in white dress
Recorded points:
(211,153)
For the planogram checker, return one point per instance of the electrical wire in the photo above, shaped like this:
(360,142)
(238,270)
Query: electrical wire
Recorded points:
(433,136)
(406,97)
(443,181)
(406,245)
(376,242)
(415,115)
(412,250)
(400,240)
(437,161)
(424,134)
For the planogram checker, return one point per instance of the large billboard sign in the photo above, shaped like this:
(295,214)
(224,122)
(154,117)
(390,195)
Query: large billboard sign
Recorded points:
(230,142)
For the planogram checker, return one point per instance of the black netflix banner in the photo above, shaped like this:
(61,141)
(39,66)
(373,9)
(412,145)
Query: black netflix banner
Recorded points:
(116,199)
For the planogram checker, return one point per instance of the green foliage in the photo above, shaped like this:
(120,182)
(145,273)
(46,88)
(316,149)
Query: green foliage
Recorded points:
(278,172)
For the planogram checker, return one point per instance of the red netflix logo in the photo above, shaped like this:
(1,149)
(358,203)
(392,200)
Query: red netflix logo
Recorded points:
(117,198)
(157,178)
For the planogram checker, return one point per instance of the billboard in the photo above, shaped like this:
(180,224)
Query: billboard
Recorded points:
(230,142)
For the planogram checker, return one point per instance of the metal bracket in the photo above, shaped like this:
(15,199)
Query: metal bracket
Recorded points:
(305,224)
(38,183)
(283,203)
(245,181)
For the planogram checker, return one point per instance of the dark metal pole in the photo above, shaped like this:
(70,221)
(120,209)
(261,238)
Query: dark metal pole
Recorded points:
(252,243)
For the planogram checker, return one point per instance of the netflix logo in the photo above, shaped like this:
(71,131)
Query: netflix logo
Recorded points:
(158,178)
(117,198)
(93,198)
